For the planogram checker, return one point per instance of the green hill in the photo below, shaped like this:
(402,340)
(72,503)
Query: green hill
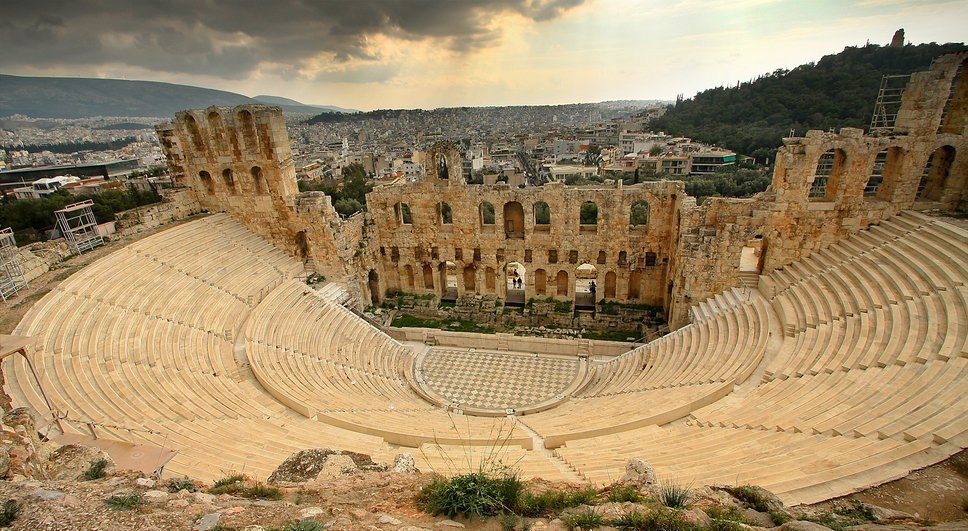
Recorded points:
(69,97)
(838,91)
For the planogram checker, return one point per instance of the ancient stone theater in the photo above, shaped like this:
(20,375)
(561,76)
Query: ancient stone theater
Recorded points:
(817,331)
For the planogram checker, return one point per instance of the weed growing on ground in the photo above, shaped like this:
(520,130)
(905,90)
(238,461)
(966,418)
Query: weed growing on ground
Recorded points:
(262,492)
(674,496)
(9,512)
(587,519)
(306,524)
(231,484)
(124,502)
(752,497)
(551,501)
(183,483)
(96,471)
(625,493)
(472,495)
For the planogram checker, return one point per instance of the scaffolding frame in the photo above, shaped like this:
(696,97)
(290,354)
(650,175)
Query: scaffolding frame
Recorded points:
(888,103)
(79,226)
(11,274)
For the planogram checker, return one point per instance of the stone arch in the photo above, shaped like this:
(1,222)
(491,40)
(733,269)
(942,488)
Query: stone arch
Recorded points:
(194,132)
(639,213)
(935,175)
(827,175)
(514,284)
(373,283)
(207,182)
(217,127)
(445,214)
(489,280)
(249,136)
(586,286)
(610,280)
(542,216)
(408,276)
(228,178)
(258,181)
(470,279)
(884,174)
(561,284)
(513,221)
(635,282)
(487,213)
(428,277)
(302,246)
(540,281)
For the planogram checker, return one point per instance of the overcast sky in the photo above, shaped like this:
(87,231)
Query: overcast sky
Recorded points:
(368,54)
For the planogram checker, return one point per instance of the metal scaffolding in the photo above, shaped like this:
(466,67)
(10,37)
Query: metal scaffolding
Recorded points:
(888,103)
(79,227)
(11,274)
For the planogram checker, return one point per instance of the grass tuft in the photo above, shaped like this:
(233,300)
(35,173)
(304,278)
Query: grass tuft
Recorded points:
(674,496)
(96,471)
(471,495)
(306,524)
(752,497)
(587,519)
(9,512)
(625,493)
(124,502)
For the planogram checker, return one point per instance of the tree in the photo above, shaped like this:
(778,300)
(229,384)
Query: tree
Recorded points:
(347,206)
(589,214)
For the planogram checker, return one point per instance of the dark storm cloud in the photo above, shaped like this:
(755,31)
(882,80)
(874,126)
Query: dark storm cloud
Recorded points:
(228,39)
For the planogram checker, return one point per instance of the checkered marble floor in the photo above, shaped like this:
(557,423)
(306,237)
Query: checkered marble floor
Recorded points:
(496,380)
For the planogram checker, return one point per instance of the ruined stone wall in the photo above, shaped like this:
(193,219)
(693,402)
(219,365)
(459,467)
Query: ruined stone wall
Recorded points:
(238,160)
(922,164)
(631,262)
(176,204)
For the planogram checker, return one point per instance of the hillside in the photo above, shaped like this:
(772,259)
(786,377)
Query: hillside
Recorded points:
(63,97)
(838,91)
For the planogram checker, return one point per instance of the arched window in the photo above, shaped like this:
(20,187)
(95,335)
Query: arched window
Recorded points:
(610,285)
(470,276)
(229,180)
(955,112)
(428,277)
(487,213)
(935,174)
(561,281)
(258,182)
(402,211)
(217,129)
(542,217)
(513,220)
(408,276)
(443,172)
(589,213)
(635,279)
(446,214)
(639,213)
(207,182)
(249,137)
(830,166)
(193,131)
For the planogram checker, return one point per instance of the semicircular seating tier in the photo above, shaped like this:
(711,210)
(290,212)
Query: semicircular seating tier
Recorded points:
(844,370)
(870,382)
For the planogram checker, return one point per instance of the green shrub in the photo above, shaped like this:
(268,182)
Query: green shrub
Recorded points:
(625,493)
(9,512)
(508,521)
(857,510)
(261,491)
(124,501)
(659,519)
(182,483)
(779,517)
(552,501)
(471,495)
(674,496)
(96,471)
(752,497)
(232,484)
(306,524)
(587,519)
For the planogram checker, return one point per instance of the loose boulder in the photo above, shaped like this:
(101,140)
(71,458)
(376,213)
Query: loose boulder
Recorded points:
(321,463)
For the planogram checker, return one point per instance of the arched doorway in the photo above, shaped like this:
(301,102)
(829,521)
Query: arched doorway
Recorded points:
(513,221)
(561,284)
(514,274)
(448,281)
(373,283)
(635,280)
(586,287)
(489,281)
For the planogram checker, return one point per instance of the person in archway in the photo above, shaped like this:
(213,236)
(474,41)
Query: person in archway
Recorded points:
(591,288)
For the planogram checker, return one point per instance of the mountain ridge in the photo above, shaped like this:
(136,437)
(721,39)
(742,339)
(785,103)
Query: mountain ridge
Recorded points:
(83,97)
